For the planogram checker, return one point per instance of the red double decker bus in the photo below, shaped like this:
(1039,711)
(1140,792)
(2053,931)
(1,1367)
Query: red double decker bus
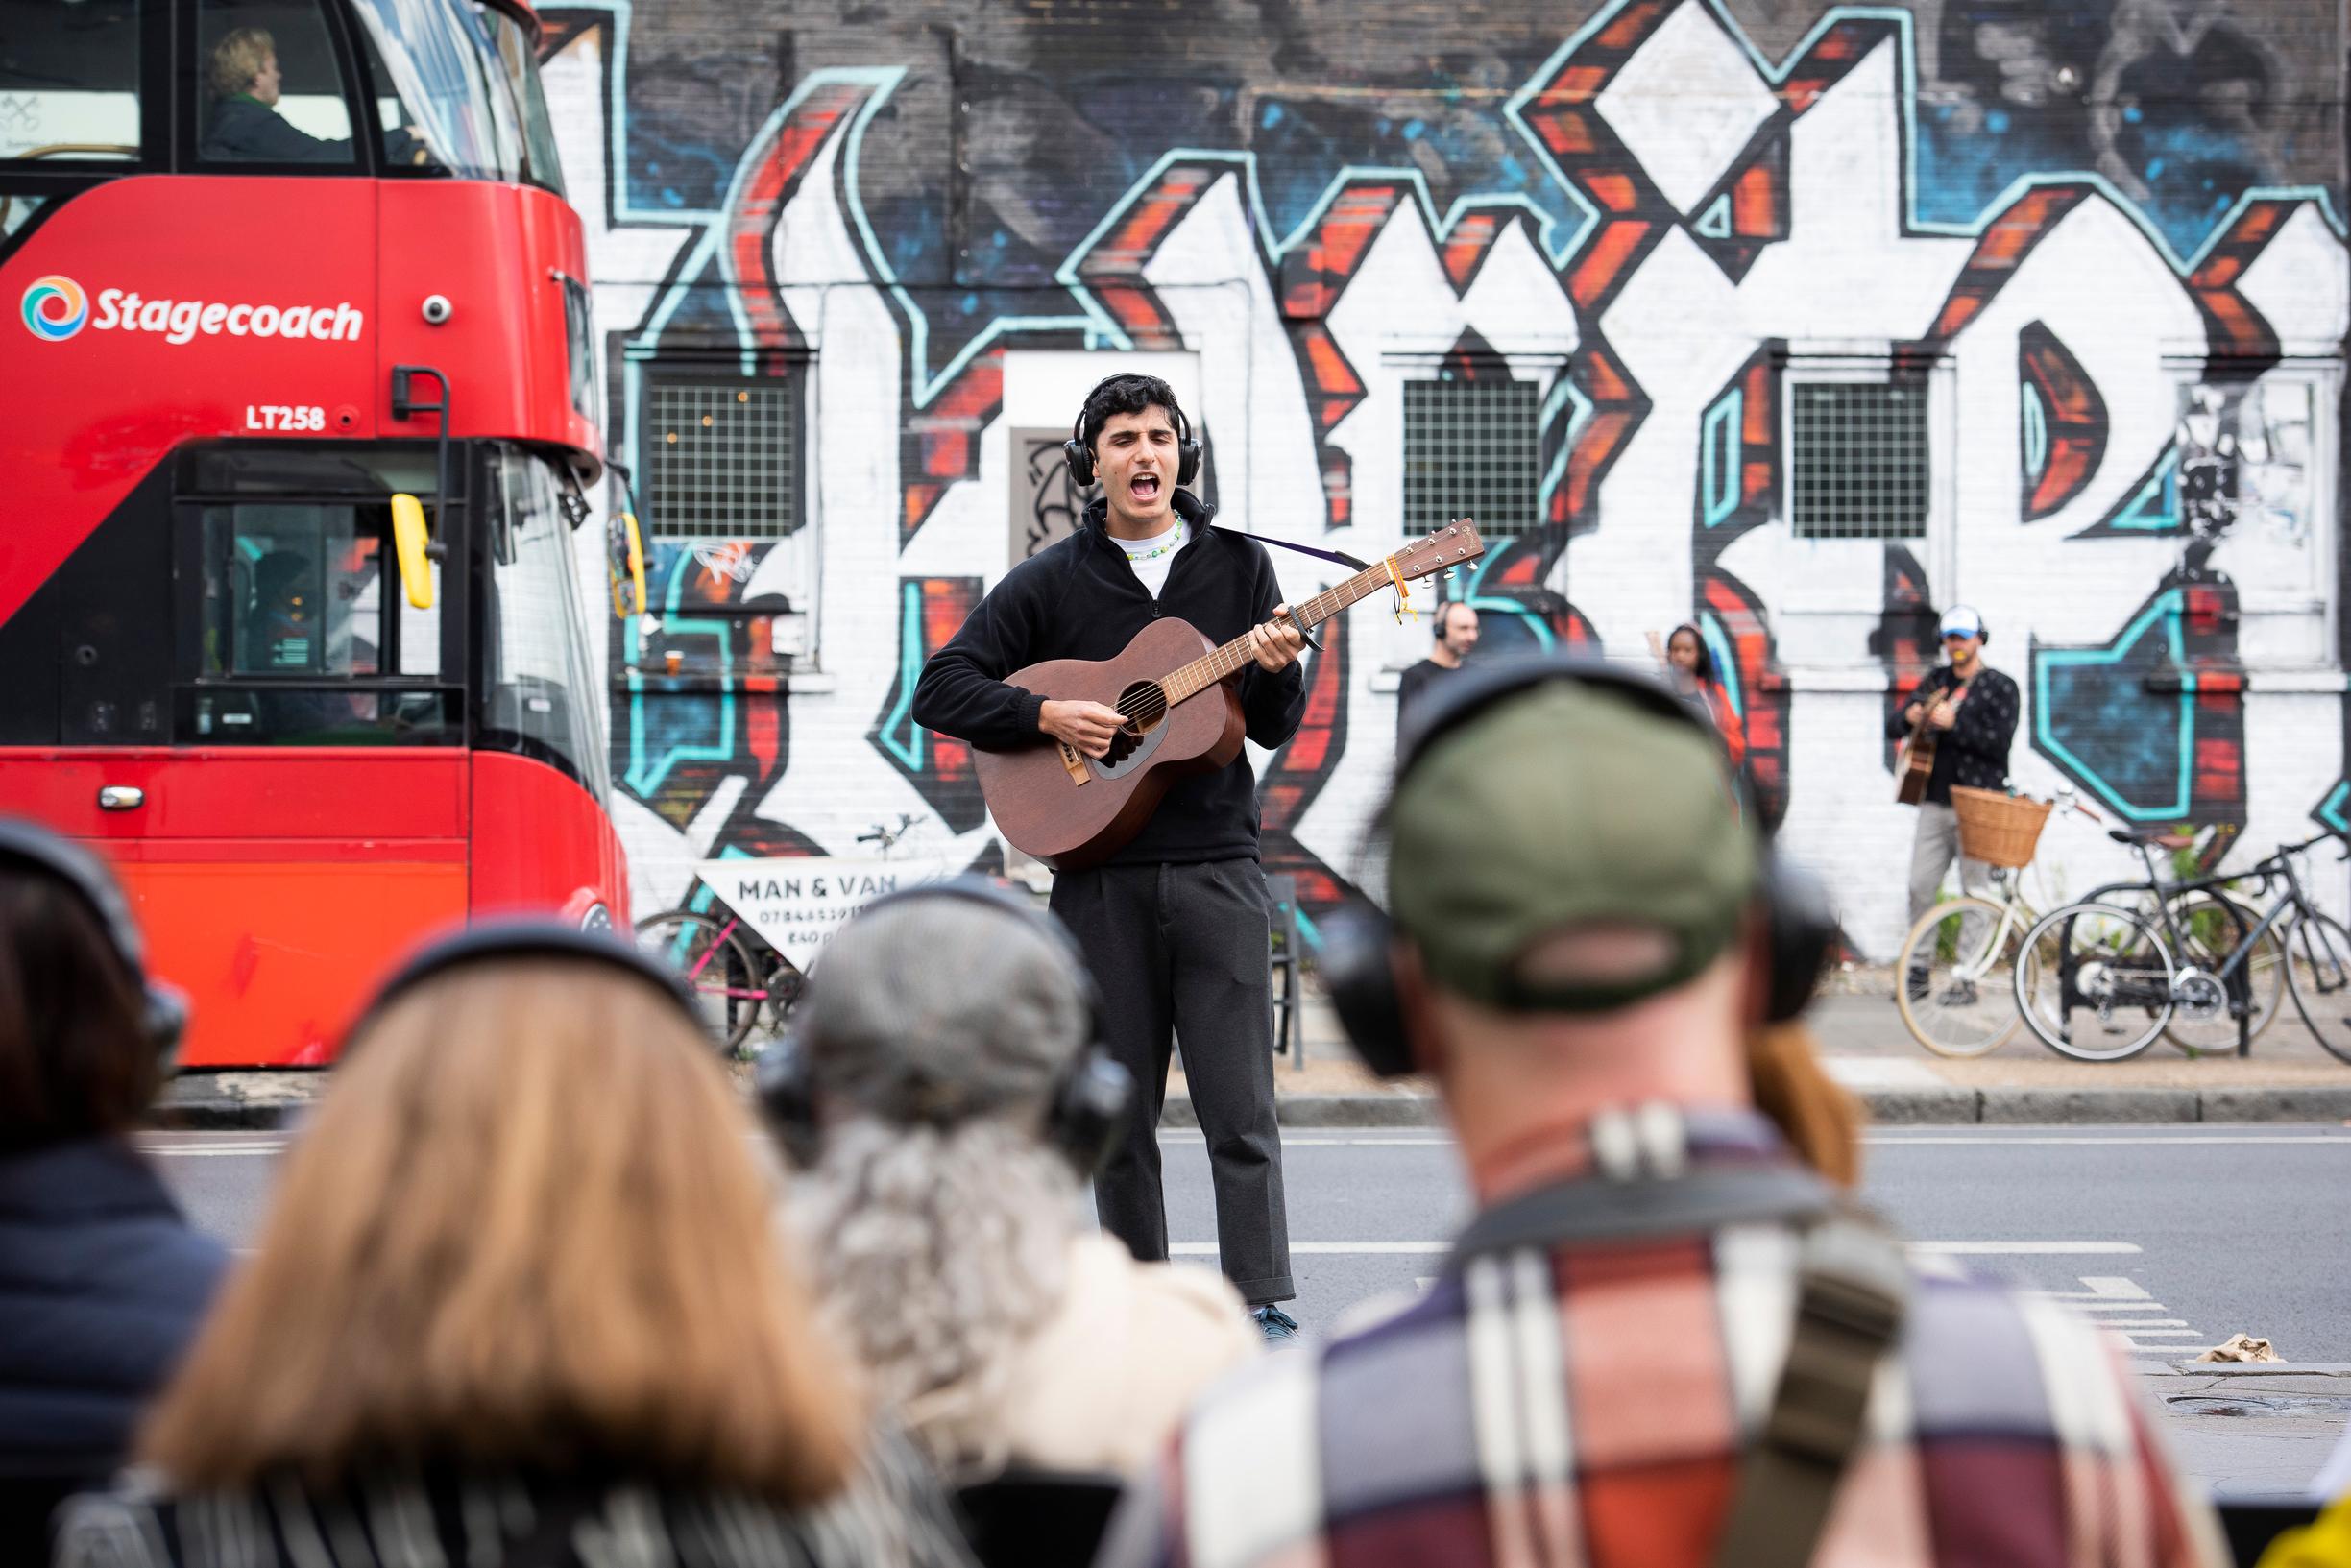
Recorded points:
(297,421)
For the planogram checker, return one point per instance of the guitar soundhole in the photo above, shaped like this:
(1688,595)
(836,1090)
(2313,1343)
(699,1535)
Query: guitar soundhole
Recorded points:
(1145,704)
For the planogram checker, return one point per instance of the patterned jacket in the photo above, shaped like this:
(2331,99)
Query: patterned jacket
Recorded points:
(1586,1407)
(1974,752)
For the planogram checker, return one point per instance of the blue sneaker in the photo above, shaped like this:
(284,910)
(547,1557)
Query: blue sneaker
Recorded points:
(1276,1324)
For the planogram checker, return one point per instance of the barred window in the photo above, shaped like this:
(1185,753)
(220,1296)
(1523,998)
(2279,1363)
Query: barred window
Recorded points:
(1470,451)
(723,453)
(1858,459)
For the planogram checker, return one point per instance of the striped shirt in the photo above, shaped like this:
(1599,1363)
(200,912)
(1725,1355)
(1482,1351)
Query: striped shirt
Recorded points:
(1587,1405)
(890,1515)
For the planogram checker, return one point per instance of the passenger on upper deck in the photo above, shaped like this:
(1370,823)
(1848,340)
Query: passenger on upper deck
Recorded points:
(1661,1342)
(519,1300)
(948,1083)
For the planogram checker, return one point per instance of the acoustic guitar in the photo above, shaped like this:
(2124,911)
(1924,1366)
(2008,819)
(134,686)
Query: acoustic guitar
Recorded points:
(1180,695)
(1916,763)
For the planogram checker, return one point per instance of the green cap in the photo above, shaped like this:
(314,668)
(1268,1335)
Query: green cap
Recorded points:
(1567,805)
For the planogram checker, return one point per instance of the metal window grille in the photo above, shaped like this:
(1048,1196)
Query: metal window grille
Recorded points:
(1859,460)
(722,455)
(1470,451)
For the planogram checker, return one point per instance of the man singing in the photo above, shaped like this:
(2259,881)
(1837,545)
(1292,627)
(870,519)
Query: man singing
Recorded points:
(1173,926)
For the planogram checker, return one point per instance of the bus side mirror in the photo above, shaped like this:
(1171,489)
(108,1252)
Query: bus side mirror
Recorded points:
(632,546)
(411,543)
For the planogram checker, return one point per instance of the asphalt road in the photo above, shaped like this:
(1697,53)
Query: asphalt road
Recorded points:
(2179,1236)
(2176,1236)
(2173,1237)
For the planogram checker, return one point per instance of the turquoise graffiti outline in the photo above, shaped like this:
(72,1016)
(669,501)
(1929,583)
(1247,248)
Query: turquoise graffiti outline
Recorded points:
(2166,604)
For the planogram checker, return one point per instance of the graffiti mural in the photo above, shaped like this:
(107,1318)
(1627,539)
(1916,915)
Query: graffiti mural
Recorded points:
(2095,240)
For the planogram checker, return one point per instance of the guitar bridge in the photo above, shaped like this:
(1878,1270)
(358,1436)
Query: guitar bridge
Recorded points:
(1075,761)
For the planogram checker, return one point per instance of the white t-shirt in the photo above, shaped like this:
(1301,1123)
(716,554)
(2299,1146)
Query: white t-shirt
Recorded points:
(1151,558)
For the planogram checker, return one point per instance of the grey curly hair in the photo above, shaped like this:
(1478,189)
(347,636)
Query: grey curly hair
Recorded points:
(938,1219)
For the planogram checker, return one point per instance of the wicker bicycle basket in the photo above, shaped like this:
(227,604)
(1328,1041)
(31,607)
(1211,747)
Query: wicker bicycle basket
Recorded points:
(1999,828)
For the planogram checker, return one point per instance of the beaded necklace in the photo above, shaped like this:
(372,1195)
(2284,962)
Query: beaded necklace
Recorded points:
(1174,540)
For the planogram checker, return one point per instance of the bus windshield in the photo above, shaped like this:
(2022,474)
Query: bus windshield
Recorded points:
(542,165)
(462,82)
(537,695)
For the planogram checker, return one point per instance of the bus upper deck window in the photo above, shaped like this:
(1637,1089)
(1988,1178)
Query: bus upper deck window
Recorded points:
(69,76)
(271,92)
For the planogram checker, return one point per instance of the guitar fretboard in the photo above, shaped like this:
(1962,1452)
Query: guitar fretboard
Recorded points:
(1209,669)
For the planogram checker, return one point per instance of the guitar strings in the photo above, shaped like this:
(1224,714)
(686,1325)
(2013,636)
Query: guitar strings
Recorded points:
(1154,694)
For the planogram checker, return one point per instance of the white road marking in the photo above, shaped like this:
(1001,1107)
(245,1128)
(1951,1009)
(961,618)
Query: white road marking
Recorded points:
(2021,1249)
(210,1151)
(2116,1303)
(2101,1288)
(2076,1140)
(1972,1249)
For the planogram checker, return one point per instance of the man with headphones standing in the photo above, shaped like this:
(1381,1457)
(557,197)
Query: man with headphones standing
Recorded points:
(1662,1342)
(1173,926)
(1457,638)
(1970,711)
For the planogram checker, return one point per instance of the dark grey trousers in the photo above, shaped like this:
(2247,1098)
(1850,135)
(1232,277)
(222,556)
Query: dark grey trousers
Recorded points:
(1181,950)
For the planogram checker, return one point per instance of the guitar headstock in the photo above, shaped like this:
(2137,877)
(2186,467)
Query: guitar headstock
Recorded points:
(1455,545)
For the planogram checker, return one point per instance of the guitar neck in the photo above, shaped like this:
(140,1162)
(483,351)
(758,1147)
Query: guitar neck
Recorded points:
(1209,669)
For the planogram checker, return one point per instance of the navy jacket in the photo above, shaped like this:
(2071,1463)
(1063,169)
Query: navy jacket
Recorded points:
(1078,598)
(102,1285)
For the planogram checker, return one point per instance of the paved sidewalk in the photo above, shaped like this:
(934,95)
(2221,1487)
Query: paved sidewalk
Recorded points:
(2288,1078)
(2252,1430)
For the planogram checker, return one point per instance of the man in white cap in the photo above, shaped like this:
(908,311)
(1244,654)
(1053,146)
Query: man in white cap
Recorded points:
(1969,712)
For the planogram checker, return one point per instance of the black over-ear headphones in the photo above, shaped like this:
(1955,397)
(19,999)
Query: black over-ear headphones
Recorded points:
(1357,957)
(164,1010)
(1090,1100)
(1082,456)
(526,937)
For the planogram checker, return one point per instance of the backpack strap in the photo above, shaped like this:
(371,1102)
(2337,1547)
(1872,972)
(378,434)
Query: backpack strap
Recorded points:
(1850,1298)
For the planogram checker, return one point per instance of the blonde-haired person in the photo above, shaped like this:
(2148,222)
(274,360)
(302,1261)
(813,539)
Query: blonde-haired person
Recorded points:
(243,123)
(518,1300)
(945,1203)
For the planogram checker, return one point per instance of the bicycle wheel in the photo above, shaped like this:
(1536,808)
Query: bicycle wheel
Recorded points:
(2211,925)
(2318,973)
(1952,983)
(729,984)
(2093,982)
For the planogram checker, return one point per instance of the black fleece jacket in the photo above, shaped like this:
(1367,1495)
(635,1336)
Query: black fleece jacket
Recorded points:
(1080,599)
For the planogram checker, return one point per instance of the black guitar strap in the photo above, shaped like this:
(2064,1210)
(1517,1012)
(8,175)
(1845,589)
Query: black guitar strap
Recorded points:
(1340,556)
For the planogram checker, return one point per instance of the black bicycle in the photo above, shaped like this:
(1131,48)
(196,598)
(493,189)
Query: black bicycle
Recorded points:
(2111,972)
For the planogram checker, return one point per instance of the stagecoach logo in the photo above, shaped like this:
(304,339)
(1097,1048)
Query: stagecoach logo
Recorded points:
(55,308)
